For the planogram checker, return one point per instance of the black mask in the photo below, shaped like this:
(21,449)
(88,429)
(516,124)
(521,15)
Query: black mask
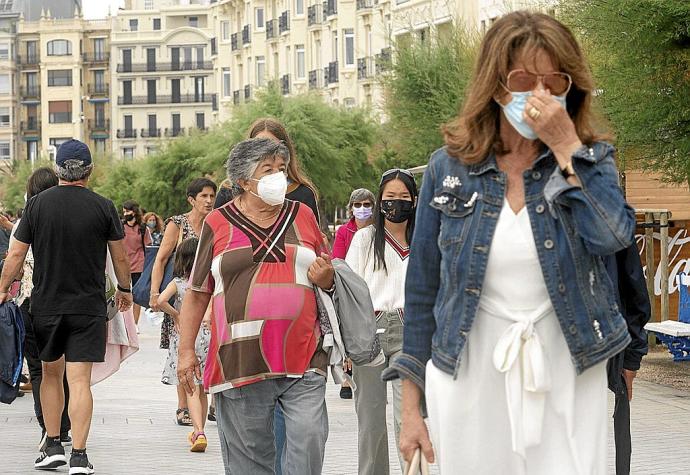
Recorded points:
(129,217)
(397,211)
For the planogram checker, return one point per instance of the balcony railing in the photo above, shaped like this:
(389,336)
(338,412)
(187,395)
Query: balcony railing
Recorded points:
(330,8)
(150,133)
(285,84)
(103,124)
(174,132)
(234,43)
(30,92)
(383,60)
(315,15)
(247,93)
(214,102)
(98,89)
(126,133)
(236,95)
(246,36)
(271,29)
(102,57)
(316,79)
(366,68)
(29,61)
(166,99)
(31,126)
(164,67)
(332,73)
(284,22)
(366,4)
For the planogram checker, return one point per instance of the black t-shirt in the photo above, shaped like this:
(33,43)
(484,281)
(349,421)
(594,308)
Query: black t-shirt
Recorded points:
(68,228)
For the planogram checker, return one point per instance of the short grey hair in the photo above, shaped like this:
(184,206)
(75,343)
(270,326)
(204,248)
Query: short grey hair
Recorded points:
(361,194)
(246,156)
(73,170)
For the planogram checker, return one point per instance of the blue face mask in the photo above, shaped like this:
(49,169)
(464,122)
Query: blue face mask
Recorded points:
(514,109)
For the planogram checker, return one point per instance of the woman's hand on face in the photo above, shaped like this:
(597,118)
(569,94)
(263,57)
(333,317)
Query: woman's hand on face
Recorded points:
(553,125)
(188,368)
(414,434)
(321,272)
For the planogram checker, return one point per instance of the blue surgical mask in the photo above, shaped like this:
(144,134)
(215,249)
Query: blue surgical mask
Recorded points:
(514,109)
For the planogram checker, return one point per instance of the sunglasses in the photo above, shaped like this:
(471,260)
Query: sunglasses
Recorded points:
(557,83)
(360,205)
(395,171)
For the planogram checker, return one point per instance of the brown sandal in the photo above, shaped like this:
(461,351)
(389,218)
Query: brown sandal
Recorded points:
(182,416)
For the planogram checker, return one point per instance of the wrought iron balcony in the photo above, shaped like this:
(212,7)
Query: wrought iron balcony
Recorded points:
(166,99)
(30,127)
(285,84)
(236,97)
(366,68)
(214,102)
(97,57)
(150,132)
(366,4)
(271,29)
(165,67)
(383,60)
(30,92)
(234,43)
(330,8)
(102,124)
(247,93)
(332,73)
(29,61)
(316,79)
(284,22)
(174,131)
(98,89)
(126,133)
(246,36)
(315,15)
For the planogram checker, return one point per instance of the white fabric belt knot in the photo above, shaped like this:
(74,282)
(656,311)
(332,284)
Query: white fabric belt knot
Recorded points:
(520,355)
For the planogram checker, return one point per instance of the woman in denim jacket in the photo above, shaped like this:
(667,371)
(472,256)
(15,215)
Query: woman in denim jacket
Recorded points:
(510,316)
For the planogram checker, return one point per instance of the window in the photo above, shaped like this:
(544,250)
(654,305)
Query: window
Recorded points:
(128,153)
(200,121)
(5,150)
(151,91)
(225,30)
(260,71)
(175,123)
(4,51)
(99,80)
(300,60)
(194,21)
(4,116)
(58,141)
(5,87)
(60,112)
(148,4)
(59,48)
(299,7)
(99,145)
(99,49)
(227,83)
(60,77)
(156,24)
(335,46)
(134,24)
(349,47)
(99,114)
(259,18)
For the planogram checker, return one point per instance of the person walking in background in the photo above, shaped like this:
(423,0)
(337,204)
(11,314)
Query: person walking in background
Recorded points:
(259,258)
(155,225)
(137,237)
(360,208)
(198,402)
(40,180)
(379,254)
(201,194)
(510,316)
(627,276)
(69,229)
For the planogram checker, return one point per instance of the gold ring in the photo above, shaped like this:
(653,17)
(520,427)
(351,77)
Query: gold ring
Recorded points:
(534,113)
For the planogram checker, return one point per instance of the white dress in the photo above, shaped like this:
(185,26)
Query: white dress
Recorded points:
(517,406)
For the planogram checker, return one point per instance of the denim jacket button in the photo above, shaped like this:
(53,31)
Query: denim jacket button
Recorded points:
(540,209)
(548,244)
(572,329)
(536,176)
(452,206)
(561,288)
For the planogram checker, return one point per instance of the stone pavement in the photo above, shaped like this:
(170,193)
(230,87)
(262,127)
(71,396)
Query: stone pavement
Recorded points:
(133,429)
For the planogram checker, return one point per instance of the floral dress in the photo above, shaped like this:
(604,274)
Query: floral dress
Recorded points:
(200,347)
(185,227)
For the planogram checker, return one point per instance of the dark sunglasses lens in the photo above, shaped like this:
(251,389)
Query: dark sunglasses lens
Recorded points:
(557,83)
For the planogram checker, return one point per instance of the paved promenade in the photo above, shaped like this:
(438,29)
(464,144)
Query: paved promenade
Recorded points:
(133,430)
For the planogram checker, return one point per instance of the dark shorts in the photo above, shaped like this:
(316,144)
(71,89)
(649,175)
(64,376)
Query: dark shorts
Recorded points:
(135,278)
(81,338)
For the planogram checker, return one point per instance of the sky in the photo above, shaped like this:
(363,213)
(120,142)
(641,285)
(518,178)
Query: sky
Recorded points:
(99,8)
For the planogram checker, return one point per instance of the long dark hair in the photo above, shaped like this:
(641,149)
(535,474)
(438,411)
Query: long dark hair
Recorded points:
(184,258)
(40,180)
(131,205)
(380,219)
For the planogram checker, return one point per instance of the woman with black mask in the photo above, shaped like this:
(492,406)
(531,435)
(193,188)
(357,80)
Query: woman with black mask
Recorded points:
(379,254)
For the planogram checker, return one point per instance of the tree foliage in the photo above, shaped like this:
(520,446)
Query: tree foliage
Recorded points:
(640,54)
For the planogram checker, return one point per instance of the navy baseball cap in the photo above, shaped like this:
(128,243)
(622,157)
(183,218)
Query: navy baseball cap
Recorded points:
(73,150)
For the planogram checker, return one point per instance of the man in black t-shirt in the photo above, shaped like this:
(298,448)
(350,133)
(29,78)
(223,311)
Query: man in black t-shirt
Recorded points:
(69,229)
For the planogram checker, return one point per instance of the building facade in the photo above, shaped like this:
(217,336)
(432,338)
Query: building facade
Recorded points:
(163,81)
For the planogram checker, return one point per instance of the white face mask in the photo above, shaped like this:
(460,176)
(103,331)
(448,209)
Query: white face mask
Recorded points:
(271,188)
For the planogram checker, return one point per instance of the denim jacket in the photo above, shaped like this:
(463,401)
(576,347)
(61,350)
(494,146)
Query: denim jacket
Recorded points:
(573,227)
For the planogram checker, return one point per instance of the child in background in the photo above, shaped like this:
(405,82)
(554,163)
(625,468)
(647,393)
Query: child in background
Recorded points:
(198,403)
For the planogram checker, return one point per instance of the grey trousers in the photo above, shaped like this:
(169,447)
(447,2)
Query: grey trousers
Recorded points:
(245,425)
(371,399)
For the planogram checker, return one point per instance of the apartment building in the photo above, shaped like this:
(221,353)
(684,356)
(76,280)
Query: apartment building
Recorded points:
(62,69)
(8,113)
(163,81)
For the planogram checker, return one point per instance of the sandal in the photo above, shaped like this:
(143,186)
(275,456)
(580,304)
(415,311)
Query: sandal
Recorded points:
(182,416)
(198,441)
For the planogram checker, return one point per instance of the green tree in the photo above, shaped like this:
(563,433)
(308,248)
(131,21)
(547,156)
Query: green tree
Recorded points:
(640,55)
